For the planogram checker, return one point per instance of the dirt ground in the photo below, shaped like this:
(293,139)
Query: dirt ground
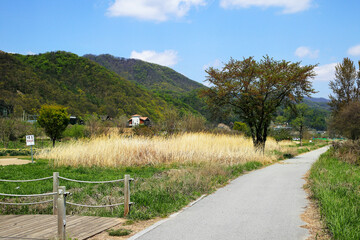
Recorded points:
(312,217)
(135,227)
(13,161)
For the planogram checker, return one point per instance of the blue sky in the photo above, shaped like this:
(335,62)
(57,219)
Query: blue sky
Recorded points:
(188,35)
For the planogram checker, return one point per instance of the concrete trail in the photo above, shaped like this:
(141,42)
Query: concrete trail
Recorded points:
(264,204)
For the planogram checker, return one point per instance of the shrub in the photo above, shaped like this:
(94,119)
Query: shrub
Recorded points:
(348,151)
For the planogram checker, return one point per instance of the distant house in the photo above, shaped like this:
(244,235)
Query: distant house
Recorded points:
(137,120)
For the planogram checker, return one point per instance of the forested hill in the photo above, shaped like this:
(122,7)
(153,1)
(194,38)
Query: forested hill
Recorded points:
(149,75)
(28,81)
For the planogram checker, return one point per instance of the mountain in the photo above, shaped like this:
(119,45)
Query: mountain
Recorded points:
(150,75)
(85,87)
(177,90)
(318,103)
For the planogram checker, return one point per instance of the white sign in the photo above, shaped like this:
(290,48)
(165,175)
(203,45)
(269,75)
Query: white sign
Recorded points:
(30,140)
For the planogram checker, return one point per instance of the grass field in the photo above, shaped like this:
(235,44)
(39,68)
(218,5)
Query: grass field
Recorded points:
(336,186)
(169,172)
(138,151)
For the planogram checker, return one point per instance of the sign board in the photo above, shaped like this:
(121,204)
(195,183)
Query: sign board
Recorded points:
(30,140)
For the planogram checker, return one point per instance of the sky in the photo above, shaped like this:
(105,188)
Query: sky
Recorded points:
(189,35)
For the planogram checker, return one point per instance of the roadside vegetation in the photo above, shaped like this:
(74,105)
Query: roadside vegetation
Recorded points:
(335,177)
(159,188)
(335,183)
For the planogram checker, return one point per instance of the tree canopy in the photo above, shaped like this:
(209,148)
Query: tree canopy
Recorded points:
(345,86)
(255,89)
(54,119)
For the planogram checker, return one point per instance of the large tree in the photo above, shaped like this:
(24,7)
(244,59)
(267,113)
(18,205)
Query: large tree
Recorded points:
(255,89)
(345,86)
(54,119)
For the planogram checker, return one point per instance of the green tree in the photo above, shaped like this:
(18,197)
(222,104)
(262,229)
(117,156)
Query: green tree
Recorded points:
(255,90)
(345,86)
(53,119)
(299,118)
(346,122)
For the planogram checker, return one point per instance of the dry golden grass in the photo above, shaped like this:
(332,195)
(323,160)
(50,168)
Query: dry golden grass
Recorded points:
(134,151)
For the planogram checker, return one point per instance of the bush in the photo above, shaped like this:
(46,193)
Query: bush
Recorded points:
(242,127)
(75,131)
(15,152)
(348,151)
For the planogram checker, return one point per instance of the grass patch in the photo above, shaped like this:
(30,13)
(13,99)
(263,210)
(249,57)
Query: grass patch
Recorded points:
(336,185)
(186,170)
(119,232)
(157,190)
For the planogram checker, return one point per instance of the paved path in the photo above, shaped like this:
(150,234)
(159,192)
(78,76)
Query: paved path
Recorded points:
(264,204)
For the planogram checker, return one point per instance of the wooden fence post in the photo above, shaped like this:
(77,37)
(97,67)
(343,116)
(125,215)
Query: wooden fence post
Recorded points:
(61,207)
(55,189)
(126,195)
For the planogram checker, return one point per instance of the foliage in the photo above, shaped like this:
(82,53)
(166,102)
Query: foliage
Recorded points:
(348,151)
(63,78)
(12,129)
(255,90)
(75,131)
(345,87)
(335,184)
(54,119)
(346,121)
(280,134)
(241,127)
(298,115)
(149,75)
(175,89)
(15,152)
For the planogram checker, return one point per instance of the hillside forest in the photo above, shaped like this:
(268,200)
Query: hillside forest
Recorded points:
(112,86)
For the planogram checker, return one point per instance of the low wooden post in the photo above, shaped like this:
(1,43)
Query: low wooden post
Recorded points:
(61,209)
(126,195)
(55,189)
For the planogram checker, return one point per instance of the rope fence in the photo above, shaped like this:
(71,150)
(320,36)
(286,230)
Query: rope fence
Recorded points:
(21,181)
(28,195)
(24,204)
(59,198)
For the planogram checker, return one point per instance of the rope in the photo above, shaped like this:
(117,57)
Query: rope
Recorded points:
(31,180)
(22,204)
(31,195)
(100,206)
(73,180)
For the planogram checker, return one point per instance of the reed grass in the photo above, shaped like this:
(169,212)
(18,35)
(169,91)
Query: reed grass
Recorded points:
(118,150)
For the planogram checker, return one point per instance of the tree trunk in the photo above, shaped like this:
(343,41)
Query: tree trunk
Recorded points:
(53,140)
(301,134)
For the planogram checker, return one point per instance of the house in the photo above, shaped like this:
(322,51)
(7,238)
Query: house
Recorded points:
(137,120)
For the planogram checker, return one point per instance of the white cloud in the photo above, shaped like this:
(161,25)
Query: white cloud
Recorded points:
(325,72)
(289,6)
(167,58)
(303,52)
(355,50)
(155,10)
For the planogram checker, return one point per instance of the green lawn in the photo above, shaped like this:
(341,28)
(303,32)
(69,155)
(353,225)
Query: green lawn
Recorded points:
(336,185)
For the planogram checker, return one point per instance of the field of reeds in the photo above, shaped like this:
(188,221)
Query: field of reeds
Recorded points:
(118,150)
